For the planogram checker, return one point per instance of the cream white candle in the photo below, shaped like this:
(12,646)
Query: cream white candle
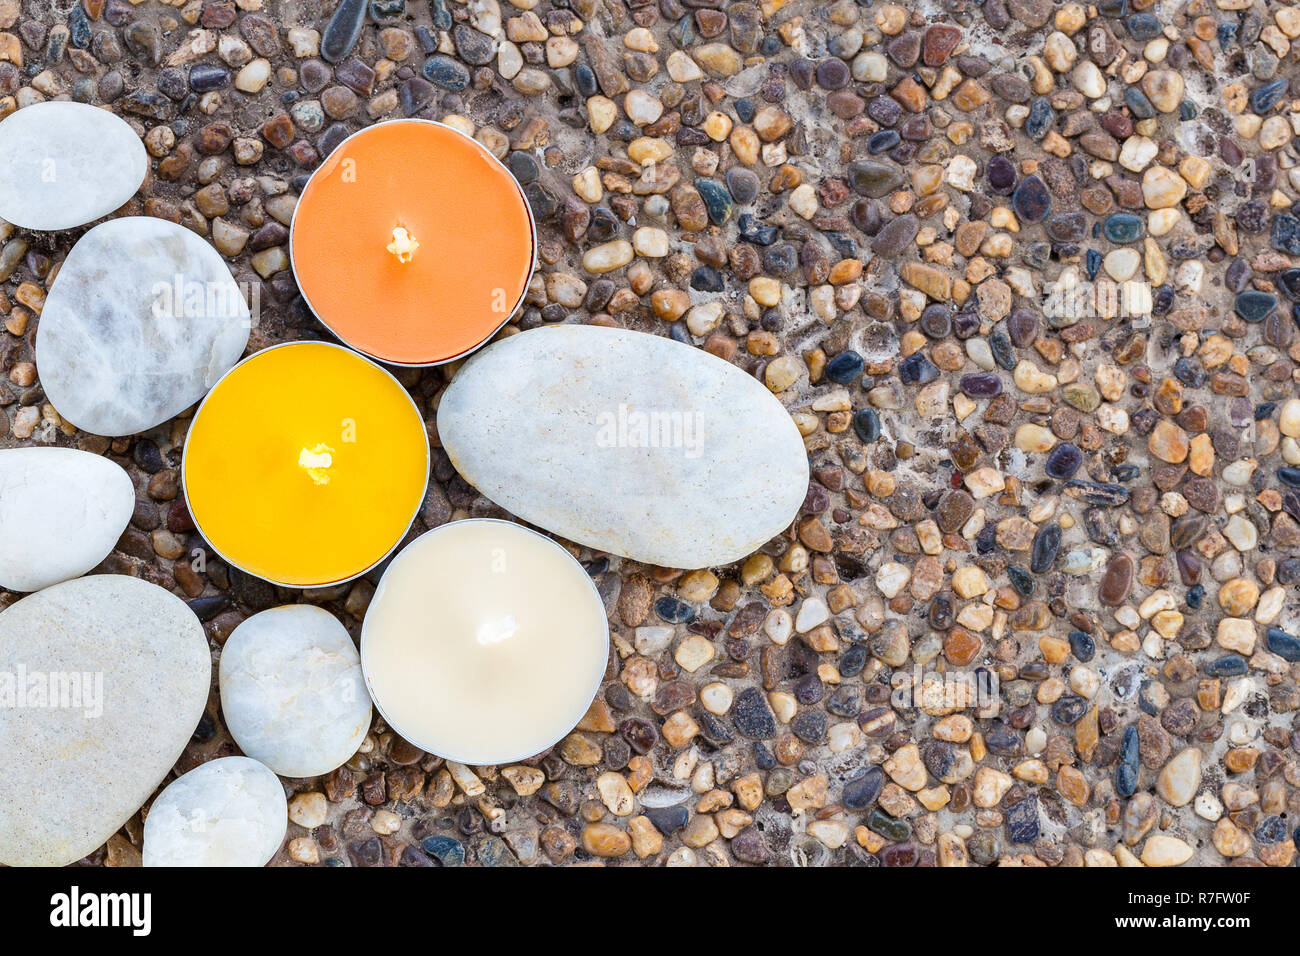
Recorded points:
(485,642)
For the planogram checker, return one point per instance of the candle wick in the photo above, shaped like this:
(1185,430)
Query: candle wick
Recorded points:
(497,630)
(403,245)
(317,461)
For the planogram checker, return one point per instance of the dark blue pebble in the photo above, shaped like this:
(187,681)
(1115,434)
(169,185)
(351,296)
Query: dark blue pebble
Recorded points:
(867,424)
(1232,665)
(1092,262)
(845,368)
(1195,595)
(1063,461)
(1069,710)
(706,279)
(1272,829)
(1267,96)
(343,30)
(981,385)
(445,72)
(861,792)
(1040,119)
(1126,775)
(716,199)
(756,231)
(1163,300)
(883,141)
(1143,26)
(668,820)
(446,850)
(1284,645)
(1289,475)
(1020,580)
(1191,374)
(205,77)
(1082,646)
(1123,227)
(916,369)
(1125,473)
(78,28)
(1031,200)
(442,18)
(854,659)
(745,109)
(751,715)
(986,539)
(1022,821)
(1138,103)
(1289,280)
(1226,34)
(1264,409)
(1187,110)
(674,611)
(1047,542)
(584,78)
(1254,305)
(1003,351)
(1286,234)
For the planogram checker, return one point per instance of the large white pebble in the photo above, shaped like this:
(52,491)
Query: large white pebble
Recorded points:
(292,691)
(226,812)
(142,319)
(61,512)
(63,165)
(129,665)
(627,442)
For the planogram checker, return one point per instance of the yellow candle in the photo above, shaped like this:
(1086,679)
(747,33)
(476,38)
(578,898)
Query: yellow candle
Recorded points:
(306,464)
(485,642)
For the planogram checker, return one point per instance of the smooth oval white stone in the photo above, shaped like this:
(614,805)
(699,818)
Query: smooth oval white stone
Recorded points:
(292,691)
(61,512)
(128,665)
(626,442)
(142,319)
(63,165)
(226,812)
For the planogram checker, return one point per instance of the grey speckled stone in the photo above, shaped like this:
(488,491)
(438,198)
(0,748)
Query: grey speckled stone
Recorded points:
(63,165)
(74,775)
(61,512)
(292,692)
(547,424)
(142,319)
(226,812)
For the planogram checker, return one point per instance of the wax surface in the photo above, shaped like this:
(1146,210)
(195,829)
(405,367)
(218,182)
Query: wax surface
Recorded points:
(462,208)
(306,464)
(484,643)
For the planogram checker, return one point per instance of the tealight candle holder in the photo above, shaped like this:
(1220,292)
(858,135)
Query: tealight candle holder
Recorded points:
(412,243)
(484,643)
(305,465)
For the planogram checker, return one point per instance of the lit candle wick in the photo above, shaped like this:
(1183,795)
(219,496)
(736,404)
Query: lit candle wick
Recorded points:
(403,245)
(496,630)
(317,460)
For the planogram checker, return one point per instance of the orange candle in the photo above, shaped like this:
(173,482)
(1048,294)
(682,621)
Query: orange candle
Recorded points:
(412,243)
(305,465)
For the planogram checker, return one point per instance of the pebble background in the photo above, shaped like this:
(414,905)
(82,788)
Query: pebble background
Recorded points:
(866,205)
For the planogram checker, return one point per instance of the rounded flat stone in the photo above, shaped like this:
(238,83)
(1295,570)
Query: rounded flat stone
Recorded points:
(63,165)
(61,513)
(626,442)
(142,319)
(226,812)
(292,692)
(131,666)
